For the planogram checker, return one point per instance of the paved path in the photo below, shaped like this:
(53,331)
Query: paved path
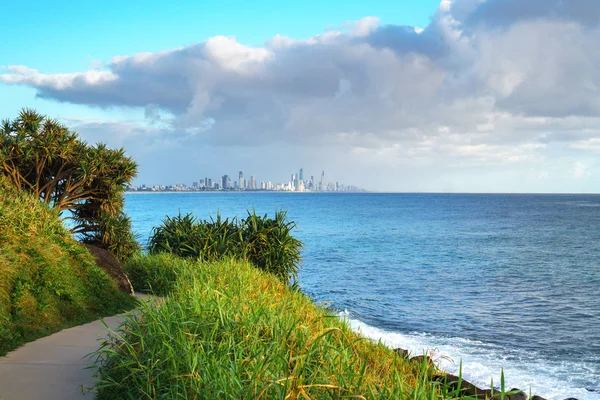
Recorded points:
(53,367)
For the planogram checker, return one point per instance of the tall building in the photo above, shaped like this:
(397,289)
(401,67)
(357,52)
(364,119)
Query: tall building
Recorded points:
(225,182)
(241,180)
(322,185)
(301,175)
(252,182)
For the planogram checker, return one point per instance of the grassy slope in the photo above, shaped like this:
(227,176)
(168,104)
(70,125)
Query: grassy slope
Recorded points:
(231,331)
(48,281)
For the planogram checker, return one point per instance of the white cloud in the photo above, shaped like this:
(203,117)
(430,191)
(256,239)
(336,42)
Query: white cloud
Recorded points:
(365,26)
(20,74)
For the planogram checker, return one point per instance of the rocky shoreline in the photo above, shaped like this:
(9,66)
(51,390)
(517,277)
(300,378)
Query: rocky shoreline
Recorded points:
(467,388)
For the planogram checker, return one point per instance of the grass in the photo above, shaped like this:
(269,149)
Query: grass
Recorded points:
(231,331)
(48,281)
(153,273)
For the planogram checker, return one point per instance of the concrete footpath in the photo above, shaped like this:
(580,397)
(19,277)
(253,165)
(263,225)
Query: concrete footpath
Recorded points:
(54,367)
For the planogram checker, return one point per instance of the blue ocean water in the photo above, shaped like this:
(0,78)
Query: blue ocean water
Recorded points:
(506,282)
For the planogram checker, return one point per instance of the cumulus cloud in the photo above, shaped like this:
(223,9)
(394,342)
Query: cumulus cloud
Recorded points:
(486,82)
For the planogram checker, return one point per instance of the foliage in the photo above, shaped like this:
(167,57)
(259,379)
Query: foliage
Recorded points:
(186,236)
(42,156)
(265,242)
(48,281)
(153,273)
(231,331)
(269,245)
(114,233)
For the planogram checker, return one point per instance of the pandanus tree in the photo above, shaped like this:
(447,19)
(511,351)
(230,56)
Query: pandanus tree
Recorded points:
(85,183)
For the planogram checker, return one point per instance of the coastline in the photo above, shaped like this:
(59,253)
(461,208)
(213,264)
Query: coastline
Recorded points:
(480,368)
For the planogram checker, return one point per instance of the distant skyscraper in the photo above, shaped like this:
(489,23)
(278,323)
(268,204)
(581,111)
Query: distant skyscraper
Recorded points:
(322,185)
(301,175)
(241,180)
(225,182)
(252,182)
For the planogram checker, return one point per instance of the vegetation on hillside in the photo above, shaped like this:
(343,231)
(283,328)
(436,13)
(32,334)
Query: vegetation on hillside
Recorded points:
(45,158)
(153,273)
(229,330)
(48,281)
(266,242)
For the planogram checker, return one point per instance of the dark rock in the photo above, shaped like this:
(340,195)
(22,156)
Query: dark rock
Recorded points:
(536,397)
(402,352)
(466,388)
(519,395)
(570,398)
(106,261)
(421,359)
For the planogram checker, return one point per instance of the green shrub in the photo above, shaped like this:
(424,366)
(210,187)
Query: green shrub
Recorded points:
(265,242)
(186,236)
(231,331)
(48,281)
(153,273)
(114,234)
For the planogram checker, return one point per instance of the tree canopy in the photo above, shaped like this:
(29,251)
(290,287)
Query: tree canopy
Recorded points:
(42,156)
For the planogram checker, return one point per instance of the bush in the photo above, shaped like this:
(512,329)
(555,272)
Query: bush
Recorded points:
(186,236)
(230,331)
(265,242)
(269,244)
(114,234)
(153,273)
(48,281)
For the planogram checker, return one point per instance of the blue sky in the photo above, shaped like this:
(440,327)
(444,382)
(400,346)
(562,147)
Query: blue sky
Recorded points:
(421,95)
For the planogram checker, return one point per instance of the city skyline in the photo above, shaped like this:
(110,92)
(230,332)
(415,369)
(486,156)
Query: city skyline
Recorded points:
(297,183)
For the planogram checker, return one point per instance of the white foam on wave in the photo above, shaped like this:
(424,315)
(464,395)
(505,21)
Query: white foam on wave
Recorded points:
(483,362)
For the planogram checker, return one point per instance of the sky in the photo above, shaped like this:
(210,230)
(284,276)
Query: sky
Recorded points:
(407,96)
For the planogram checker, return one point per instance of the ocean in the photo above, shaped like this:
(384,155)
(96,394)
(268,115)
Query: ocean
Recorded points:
(496,282)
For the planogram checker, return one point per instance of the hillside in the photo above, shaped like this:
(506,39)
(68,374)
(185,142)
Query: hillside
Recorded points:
(48,281)
(230,330)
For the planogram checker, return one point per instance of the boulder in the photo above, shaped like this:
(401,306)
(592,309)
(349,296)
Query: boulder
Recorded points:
(112,267)
(421,359)
(466,388)
(519,395)
(402,352)
(536,397)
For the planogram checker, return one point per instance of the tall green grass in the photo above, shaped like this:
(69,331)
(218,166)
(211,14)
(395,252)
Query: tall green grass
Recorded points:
(231,331)
(48,281)
(153,273)
(265,242)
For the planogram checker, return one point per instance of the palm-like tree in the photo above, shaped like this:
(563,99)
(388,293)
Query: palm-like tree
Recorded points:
(43,156)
